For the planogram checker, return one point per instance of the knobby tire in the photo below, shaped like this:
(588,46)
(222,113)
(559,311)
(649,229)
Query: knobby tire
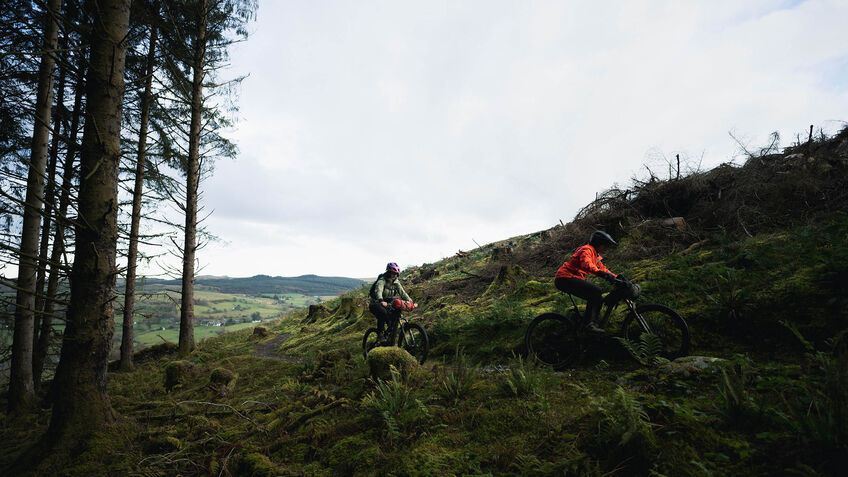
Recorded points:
(553,340)
(665,323)
(369,341)
(414,340)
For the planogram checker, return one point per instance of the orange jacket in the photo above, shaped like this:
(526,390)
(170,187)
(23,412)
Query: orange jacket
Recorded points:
(585,260)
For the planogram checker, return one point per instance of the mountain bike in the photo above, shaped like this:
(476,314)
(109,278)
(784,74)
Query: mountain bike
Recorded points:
(410,336)
(559,340)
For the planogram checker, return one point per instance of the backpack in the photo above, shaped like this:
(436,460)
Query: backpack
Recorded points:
(373,292)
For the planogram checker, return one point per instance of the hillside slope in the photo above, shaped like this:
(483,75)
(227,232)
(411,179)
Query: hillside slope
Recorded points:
(263,284)
(755,257)
(735,249)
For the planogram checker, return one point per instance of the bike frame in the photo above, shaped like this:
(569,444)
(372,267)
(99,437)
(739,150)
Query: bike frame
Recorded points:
(399,324)
(607,308)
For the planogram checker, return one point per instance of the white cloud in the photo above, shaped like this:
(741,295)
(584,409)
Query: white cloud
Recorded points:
(393,130)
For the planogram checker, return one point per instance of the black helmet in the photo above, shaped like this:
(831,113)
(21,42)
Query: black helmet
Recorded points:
(599,237)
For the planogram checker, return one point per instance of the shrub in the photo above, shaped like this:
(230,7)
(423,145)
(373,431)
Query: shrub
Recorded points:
(460,382)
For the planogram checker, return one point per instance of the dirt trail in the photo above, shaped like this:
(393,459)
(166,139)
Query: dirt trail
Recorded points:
(268,350)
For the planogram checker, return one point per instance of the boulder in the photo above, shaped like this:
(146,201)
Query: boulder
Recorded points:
(690,365)
(382,359)
(678,223)
(261,332)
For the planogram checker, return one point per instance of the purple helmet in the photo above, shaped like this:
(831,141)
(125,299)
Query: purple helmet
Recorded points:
(393,267)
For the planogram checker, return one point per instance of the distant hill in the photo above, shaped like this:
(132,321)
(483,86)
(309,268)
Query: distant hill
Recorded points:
(304,284)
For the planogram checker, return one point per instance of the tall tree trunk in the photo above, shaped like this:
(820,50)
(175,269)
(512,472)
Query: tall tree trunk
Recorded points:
(21,387)
(81,376)
(141,159)
(186,344)
(44,336)
(49,206)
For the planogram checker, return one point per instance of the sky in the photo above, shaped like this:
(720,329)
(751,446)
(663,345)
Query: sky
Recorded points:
(405,131)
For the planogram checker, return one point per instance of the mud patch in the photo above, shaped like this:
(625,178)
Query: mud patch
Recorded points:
(268,350)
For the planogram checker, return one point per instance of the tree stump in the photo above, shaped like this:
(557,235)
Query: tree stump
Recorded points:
(350,308)
(223,381)
(501,253)
(315,313)
(329,359)
(428,273)
(177,373)
(507,277)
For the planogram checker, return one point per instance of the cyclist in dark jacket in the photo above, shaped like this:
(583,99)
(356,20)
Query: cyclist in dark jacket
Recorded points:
(385,290)
(586,260)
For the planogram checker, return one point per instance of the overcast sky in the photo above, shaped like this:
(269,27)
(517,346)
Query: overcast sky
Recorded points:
(376,131)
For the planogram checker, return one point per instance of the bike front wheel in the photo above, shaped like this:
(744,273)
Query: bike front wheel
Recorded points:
(553,340)
(662,322)
(369,341)
(413,339)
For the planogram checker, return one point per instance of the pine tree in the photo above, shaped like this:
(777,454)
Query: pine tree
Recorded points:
(81,375)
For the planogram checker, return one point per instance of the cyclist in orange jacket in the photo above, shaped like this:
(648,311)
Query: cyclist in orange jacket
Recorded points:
(586,260)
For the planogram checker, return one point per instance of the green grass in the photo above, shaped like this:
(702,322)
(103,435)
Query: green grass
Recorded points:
(200,333)
(210,306)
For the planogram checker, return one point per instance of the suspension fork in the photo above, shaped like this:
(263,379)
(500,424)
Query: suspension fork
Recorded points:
(407,340)
(642,322)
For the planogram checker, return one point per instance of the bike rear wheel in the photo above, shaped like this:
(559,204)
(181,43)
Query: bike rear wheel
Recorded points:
(414,340)
(662,322)
(553,340)
(369,341)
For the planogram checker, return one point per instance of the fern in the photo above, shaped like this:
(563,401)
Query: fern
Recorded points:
(520,379)
(647,350)
(396,406)
(820,412)
(460,382)
(622,422)
(733,402)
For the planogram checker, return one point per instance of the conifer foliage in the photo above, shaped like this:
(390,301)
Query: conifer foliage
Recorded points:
(130,75)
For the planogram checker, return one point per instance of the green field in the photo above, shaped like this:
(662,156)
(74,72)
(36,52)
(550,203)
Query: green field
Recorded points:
(158,311)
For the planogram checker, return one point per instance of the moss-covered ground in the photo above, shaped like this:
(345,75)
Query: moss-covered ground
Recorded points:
(479,407)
